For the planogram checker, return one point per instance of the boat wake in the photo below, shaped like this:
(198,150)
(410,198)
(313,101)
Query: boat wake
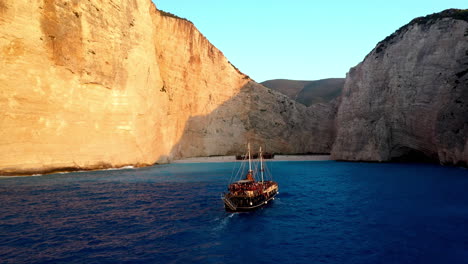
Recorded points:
(223,222)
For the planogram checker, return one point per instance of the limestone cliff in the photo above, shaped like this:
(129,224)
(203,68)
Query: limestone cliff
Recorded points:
(93,84)
(409,97)
(79,88)
(196,80)
(263,117)
(223,108)
(100,84)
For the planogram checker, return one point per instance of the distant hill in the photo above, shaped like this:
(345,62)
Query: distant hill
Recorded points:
(308,92)
(288,87)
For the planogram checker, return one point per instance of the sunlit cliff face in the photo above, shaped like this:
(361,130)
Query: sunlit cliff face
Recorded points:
(197,79)
(98,84)
(92,85)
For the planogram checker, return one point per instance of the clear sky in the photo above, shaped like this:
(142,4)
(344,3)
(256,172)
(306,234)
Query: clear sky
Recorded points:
(300,39)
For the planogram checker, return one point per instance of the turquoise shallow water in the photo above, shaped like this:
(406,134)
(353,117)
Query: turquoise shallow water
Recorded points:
(326,212)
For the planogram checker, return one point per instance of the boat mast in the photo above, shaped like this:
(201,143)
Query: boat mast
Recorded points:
(261,163)
(250,161)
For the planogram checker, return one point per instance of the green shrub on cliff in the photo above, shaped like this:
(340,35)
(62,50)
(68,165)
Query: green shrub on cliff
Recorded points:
(457,14)
(167,14)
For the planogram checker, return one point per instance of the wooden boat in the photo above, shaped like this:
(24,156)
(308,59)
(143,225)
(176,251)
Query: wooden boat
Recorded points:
(250,193)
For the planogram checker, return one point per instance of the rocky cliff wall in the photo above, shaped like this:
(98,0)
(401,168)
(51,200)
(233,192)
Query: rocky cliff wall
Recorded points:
(220,109)
(101,84)
(409,97)
(197,79)
(79,85)
(262,117)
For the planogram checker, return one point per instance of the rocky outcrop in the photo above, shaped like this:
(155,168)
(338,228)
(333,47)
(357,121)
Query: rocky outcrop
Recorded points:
(409,97)
(101,84)
(262,117)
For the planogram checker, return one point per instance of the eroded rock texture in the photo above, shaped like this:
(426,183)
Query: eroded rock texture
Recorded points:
(263,117)
(100,84)
(75,87)
(409,97)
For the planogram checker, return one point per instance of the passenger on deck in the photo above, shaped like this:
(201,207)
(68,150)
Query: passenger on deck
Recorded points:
(249,176)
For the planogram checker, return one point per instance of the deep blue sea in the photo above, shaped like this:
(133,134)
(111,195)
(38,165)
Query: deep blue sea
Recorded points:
(326,212)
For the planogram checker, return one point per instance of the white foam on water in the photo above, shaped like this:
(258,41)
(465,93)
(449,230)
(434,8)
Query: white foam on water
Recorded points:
(223,222)
(120,168)
(66,172)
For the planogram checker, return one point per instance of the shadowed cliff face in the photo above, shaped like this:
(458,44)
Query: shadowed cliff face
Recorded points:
(408,98)
(63,39)
(262,117)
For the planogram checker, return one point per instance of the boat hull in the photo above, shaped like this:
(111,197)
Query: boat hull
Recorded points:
(233,203)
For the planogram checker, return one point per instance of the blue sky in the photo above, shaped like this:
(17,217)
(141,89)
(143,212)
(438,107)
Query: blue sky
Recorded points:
(299,39)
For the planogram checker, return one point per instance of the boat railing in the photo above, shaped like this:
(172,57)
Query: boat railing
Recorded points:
(229,203)
(244,193)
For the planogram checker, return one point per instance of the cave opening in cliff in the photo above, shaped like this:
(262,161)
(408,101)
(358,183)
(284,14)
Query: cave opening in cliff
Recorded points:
(408,154)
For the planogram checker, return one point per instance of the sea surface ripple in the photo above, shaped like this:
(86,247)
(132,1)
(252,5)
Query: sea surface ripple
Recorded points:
(326,212)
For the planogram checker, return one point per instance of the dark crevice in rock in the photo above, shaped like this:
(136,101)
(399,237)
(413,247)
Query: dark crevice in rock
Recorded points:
(407,154)
(462,73)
